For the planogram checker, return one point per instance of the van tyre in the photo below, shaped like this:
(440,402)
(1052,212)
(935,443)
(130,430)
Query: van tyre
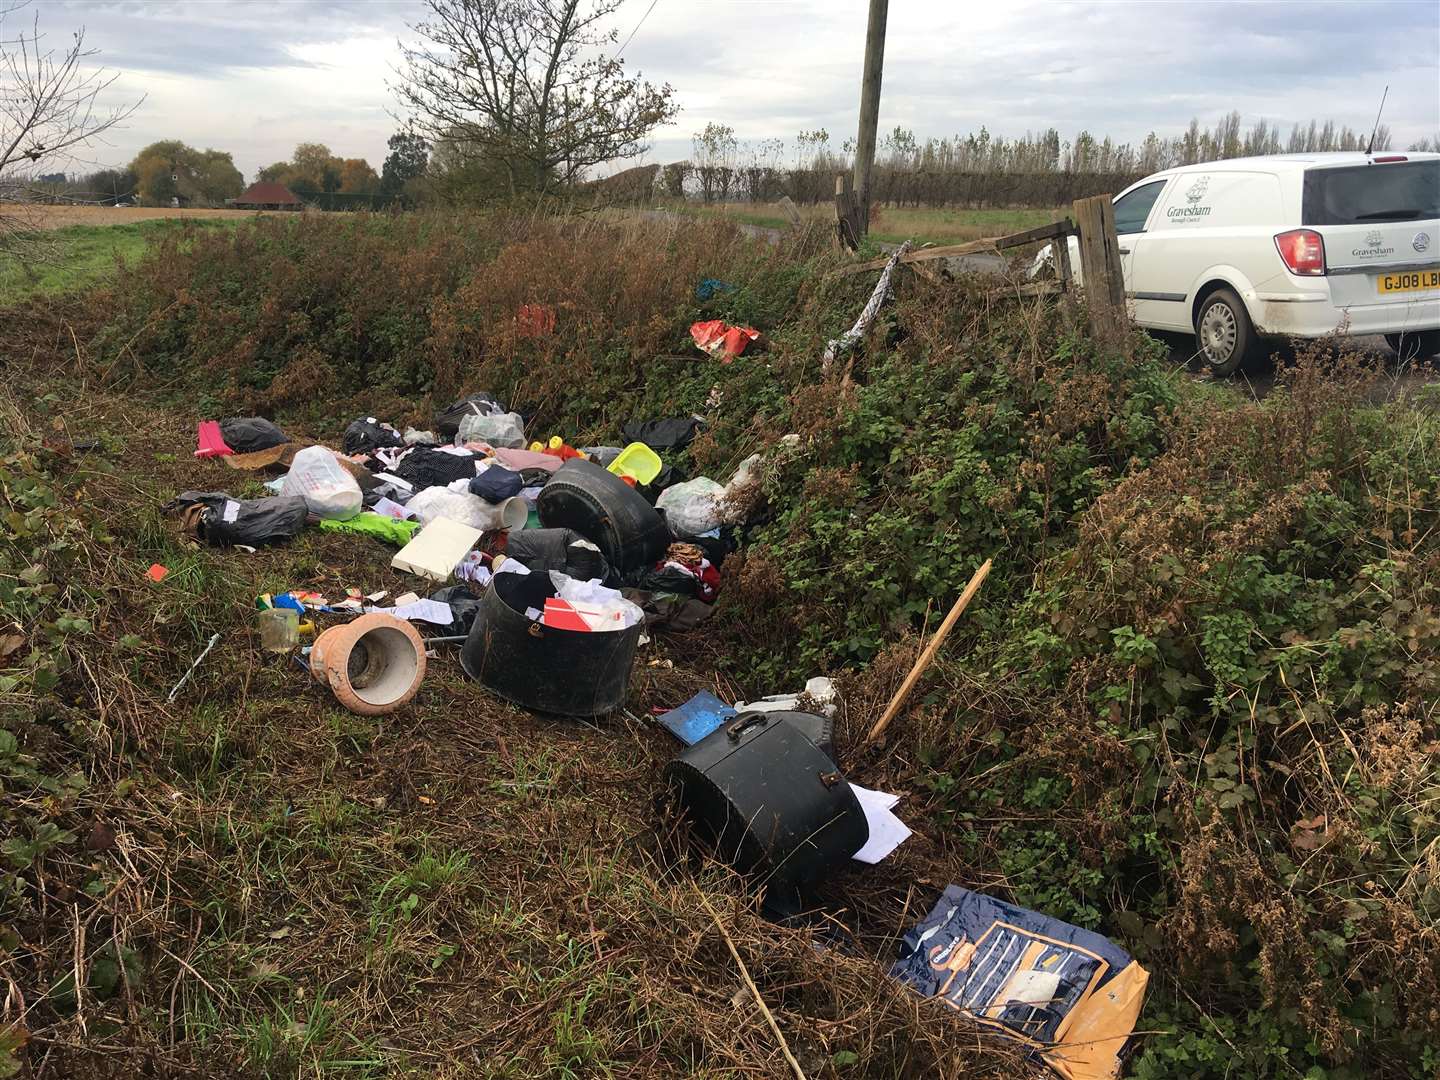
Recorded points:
(1224,335)
(1415,345)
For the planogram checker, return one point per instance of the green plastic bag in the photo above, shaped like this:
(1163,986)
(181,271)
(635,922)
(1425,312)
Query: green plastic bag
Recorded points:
(391,530)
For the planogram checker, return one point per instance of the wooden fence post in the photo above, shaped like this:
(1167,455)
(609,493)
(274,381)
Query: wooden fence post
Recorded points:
(847,217)
(1100,264)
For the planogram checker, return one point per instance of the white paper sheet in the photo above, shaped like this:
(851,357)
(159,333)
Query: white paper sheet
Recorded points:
(887,832)
(431,611)
(391,508)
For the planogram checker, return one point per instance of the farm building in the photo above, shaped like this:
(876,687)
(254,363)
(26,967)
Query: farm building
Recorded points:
(267,195)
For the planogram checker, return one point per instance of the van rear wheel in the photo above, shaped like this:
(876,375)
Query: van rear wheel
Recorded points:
(1415,345)
(1224,335)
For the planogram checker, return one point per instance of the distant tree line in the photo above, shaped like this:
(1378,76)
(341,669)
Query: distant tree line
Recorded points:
(171,171)
(979,169)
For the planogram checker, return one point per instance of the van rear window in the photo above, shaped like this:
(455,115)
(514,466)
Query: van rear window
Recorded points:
(1362,194)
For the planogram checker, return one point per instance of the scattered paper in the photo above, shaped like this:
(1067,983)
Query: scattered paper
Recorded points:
(231,511)
(405,599)
(887,832)
(431,611)
(391,508)
(376,597)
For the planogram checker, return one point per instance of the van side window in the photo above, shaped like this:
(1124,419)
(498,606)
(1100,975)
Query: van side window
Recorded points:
(1131,210)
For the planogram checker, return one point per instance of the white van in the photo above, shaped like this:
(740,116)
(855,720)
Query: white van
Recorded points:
(1296,245)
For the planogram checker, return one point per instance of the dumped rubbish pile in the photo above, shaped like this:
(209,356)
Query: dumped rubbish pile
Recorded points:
(548,564)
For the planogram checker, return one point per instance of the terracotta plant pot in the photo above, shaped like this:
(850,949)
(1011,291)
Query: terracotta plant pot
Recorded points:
(372,665)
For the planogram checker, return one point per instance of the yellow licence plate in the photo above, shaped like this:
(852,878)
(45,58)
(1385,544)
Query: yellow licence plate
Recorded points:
(1410,281)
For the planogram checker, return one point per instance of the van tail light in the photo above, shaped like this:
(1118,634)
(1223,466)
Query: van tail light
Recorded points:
(1303,251)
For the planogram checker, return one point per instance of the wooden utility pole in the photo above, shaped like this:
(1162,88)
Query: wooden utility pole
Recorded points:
(869,108)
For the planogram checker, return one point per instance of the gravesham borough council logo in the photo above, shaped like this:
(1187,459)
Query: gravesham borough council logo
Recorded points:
(1421,241)
(1374,238)
(1193,194)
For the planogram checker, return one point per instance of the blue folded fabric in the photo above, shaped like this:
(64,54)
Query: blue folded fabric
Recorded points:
(496,484)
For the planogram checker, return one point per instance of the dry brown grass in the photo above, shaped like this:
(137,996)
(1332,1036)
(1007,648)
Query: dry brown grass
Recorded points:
(62,217)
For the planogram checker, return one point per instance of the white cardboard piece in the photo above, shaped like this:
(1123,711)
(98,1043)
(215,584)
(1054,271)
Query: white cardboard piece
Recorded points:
(434,551)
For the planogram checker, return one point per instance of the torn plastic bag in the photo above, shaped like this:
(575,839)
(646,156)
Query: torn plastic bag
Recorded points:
(500,430)
(700,505)
(447,420)
(248,434)
(677,582)
(219,519)
(692,507)
(327,487)
(438,502)
(565,550)
(1070,994)
(463,605)
(366,435)
(661,435)
(668,611)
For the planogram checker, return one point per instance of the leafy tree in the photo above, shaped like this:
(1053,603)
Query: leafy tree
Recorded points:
(529,85)
(313,169)
(356,175)
(409,155)
(170,169)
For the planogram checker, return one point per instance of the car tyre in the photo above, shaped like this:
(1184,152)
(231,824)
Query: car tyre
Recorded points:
(1414,345)
(1224,335)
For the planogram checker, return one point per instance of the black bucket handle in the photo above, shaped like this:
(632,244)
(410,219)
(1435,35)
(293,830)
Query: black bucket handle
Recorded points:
(743,723)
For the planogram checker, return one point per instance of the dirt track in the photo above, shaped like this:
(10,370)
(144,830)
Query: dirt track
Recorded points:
(60,217)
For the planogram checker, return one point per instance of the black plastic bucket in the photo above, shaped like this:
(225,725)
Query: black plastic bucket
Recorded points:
(606,511)
(767,801)
(541,668)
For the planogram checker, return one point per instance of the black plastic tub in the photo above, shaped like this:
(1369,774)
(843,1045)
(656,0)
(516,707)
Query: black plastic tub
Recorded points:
(769,802)
(608,512)
(541,668)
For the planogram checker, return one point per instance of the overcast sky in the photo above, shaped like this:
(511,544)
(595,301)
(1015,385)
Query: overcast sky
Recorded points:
(255,77)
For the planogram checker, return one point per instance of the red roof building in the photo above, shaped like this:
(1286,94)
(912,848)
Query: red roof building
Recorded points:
(267,195)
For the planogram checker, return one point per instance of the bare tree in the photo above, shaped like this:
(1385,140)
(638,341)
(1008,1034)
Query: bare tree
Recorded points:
(528,85)
(49,107)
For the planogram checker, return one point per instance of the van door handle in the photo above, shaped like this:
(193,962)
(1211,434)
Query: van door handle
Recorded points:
(1124,251)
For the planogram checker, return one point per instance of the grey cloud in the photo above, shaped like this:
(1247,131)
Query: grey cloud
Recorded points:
(772,69)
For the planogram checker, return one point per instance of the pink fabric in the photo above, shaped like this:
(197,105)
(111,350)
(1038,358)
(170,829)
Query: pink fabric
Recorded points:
(527,459)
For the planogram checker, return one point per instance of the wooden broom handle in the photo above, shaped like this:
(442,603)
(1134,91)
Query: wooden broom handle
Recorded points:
(928,655)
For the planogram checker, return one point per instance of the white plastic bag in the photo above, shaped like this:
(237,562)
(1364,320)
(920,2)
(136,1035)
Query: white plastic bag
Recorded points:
(691,508)
(504,430)
(697,506)
(438,502)
(328,490)
(461,506)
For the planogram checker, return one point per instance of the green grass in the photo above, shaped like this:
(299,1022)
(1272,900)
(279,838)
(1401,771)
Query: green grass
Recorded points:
(81,256)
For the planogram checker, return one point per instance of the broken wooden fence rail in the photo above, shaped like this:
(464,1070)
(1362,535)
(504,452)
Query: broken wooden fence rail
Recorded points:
(988,245)
(1094,228)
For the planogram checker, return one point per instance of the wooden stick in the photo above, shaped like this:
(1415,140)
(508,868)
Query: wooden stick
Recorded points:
(928,655)
(754,990)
